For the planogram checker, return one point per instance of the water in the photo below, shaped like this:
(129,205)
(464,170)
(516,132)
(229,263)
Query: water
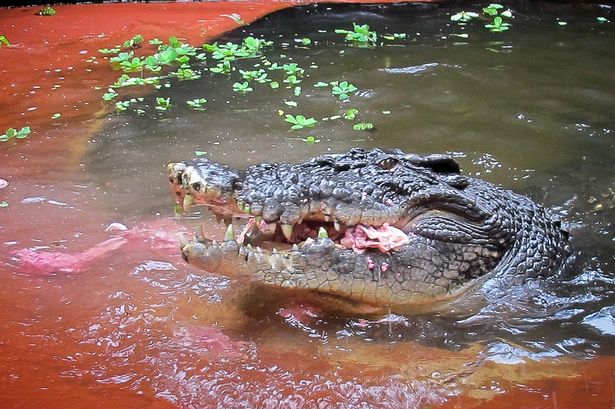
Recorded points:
(530,109)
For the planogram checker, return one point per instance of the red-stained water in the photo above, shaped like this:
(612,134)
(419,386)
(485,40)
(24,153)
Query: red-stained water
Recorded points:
(129,325)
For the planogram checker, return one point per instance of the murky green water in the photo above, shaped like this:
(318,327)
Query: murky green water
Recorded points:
(530,109)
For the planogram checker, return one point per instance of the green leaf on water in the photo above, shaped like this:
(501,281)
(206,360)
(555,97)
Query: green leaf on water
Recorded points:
(351,113)
(363,126)
(56,116)
(300,121)
(5,41)
(23,132)
(4,203)
(311,139)
(506,13)
(200,153)
(242,87)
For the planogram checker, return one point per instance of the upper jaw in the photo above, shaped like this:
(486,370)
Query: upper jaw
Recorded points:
(190,187)
(317,219)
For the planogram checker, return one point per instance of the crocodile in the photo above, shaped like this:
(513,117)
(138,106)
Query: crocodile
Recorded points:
(369,231)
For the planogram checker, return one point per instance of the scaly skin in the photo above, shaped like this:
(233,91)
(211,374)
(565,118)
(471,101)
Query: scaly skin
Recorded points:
(457,231)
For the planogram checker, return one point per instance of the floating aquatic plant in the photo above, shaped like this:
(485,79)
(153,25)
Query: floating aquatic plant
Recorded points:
(292,80)
(363,126)
(395,36)
(498,25)
(14,133)
(464,16)
(351,114)
(123,57)
(293,69)
(343,89)
(185,74)
(242,87)
(134,42)
(163,104)
(300,121)
(360,35)
(47,11)
(310,140)
(223,67)
(197,104)
(259,76)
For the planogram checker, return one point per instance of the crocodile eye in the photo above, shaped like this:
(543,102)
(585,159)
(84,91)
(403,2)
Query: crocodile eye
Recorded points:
(237,185)
(387,163)
(196,186)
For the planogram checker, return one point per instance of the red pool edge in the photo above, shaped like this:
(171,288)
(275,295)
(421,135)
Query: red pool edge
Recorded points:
(55,51)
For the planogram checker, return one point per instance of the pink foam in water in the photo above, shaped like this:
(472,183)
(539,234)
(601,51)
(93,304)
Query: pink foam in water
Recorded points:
(384,238)
(55,263)
(209,340)
(159,236)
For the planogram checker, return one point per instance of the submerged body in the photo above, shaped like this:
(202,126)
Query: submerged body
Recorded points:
(368,230)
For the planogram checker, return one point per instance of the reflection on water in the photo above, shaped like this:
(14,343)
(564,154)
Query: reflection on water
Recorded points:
(530,109)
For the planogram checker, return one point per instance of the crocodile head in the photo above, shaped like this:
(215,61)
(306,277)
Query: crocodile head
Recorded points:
(364,231)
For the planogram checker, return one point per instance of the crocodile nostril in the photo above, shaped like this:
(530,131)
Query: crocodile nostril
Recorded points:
(197,186)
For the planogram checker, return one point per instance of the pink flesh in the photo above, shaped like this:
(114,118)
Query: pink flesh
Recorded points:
(384,238)
(55,263)
(159,237)
(246,229)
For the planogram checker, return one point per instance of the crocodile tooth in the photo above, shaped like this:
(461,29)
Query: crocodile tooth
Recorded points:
(336,225)
(307,241)
(274,251)
(241,205)
(178,210)
(322,233)
(199,233)
(287,230)
(247,209)
(230,233)
(295,247)
(183,241)
(258,220)
(259,250)
(214,243)
(188,199)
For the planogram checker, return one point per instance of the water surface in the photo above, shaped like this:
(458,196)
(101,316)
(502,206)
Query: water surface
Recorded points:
(529,109)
